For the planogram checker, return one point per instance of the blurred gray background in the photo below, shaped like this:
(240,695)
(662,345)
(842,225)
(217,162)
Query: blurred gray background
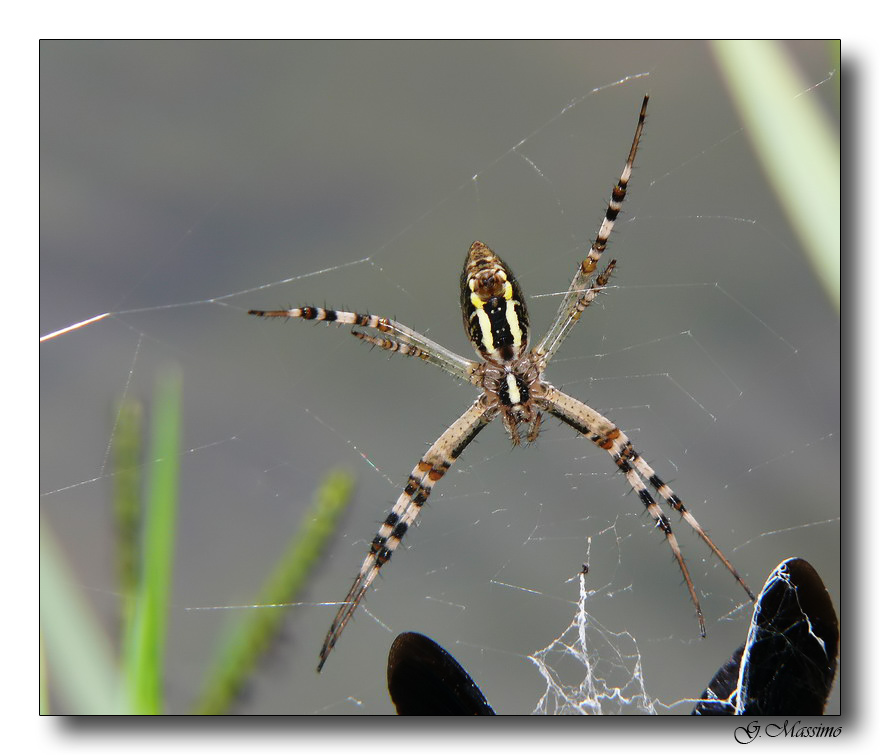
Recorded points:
(173,174)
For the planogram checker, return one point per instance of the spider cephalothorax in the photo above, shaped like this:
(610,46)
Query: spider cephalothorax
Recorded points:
(510,377)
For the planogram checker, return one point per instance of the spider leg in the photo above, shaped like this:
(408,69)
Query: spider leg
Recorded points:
(569,311)
(431,467)
(550,343)
(609,437)
(661,520)
(676,503)
(397,336)
(429,355)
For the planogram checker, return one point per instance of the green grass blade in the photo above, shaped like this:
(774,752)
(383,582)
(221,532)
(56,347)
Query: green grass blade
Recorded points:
(796,145)
(79,660)
(254,633)
(145,645)
(45,708)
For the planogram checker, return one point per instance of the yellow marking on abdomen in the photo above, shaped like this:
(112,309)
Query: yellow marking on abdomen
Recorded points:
(513,324)
(485,323)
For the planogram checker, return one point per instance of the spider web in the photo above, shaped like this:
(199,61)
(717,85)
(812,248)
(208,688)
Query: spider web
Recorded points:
(591,670)
(183,184)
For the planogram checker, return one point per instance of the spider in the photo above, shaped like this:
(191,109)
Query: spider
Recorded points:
(510,377)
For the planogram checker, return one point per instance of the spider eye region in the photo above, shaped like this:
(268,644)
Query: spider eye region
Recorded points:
(492,306)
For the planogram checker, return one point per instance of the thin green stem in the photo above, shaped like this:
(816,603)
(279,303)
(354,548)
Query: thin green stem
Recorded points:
(252,635)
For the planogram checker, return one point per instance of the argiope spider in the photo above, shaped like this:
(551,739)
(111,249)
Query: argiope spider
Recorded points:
(511,379)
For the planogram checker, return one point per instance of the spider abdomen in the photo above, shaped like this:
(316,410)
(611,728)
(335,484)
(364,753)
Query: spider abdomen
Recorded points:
(492,306)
